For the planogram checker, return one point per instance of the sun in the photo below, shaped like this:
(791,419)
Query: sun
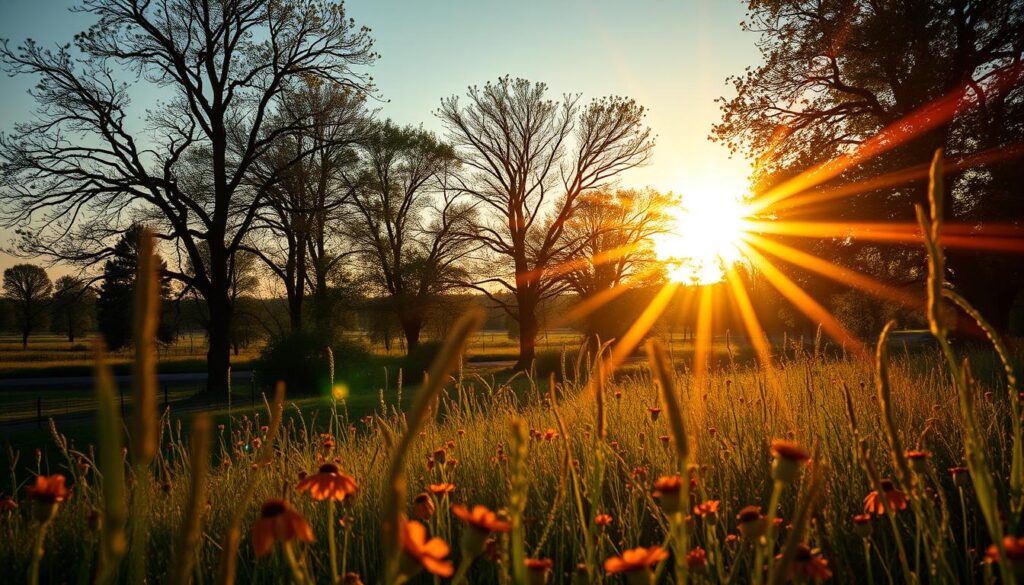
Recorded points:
(706,228)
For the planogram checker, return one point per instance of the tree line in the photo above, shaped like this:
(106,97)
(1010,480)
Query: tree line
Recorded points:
(265,147)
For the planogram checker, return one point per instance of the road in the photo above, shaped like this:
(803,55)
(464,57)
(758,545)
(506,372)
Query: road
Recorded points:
(86,381)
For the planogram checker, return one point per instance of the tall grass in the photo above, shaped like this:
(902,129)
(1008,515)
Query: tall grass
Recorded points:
(636,476)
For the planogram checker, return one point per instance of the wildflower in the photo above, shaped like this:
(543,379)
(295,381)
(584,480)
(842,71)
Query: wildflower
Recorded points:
(655,411)
(603,520)
(481,522)
(961,476)
(351,579)
(7,504)
(788,457)
(618,394)
(697,560)
(750,522)
(636,564)
(278,520)
(707,510)
(808,565)
(550,434)
(862,525)
(538,570)
(1014,549)
(668,489)
(48,492)
(328,483)
(893,498)
(439,489)
(421,553)
(423,506)
(918,460)
(440,455)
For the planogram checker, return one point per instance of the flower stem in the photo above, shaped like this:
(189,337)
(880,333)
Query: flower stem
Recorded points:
(330,541)
(37,553)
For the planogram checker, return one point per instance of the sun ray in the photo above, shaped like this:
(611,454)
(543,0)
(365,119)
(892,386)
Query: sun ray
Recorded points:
(804,302)
(703,340)
(810,202)
(588,306)
(968,237)
(923,119)
(834,271)
(636,332)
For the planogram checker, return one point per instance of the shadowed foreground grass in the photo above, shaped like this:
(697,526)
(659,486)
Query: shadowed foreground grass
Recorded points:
(730,426)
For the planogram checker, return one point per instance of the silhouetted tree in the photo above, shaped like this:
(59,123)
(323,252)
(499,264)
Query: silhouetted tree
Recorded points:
(408,230)
(529,159)
(114,303)
(947,74)
(222,67)
(294,232)
(615,231)
(27,288)
(73,310)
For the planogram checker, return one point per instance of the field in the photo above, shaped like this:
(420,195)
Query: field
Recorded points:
(535,446)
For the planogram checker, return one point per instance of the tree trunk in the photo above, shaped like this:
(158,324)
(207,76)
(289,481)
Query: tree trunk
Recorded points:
(218,355)
(24,339)
(528,328)
(411,325)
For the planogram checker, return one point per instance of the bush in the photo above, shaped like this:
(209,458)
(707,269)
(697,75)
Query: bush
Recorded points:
(300,360)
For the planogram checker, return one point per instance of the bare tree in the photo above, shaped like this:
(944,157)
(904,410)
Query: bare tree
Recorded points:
(83,166)
(28,288)
(408,229)
(530,159)
(293,229)
(73,309)
(615,230)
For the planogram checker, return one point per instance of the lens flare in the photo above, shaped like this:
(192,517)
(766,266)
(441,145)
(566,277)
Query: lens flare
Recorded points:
(702,243)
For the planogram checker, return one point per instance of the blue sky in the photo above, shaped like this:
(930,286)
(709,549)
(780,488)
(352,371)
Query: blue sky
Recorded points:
(670,55)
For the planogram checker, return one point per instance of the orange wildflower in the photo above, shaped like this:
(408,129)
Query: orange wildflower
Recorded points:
(603,520)
(708,509)
(697,560)
(655,411)
(918,460)
(7,504)
(788,457)
(750,522)
(808,565)
(49,489)
(328,483)
(421,553)
(1014,548)
(439,489)
(961,476)
(538,570)
(278,520)
(636,563)
(423,506)
(891,497)
(481,518)
(667,488)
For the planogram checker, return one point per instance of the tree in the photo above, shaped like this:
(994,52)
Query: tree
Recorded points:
(114,303)
(615,231)
(73,310)
(529,159)
(28,288)
(895,80)
(409,240)
(293,230)
(221,68)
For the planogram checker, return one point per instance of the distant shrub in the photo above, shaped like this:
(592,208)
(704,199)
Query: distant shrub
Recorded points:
(418,361)
(300,360)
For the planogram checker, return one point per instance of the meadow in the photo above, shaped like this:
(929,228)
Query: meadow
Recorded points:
(816,465)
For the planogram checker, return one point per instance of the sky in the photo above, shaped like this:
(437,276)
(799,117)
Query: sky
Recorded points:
(672,56)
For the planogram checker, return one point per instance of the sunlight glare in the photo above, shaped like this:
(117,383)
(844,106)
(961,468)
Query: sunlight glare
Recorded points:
(708,225)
